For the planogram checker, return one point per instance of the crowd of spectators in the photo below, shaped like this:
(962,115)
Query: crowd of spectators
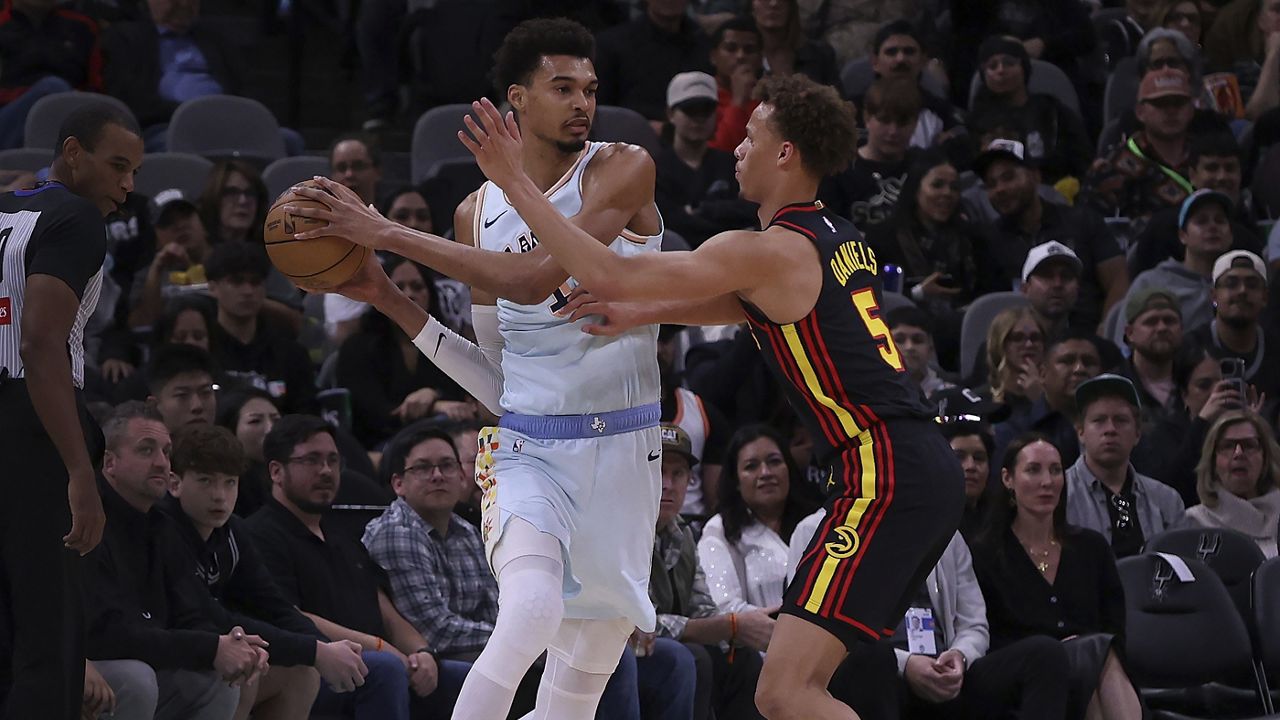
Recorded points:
(291,518)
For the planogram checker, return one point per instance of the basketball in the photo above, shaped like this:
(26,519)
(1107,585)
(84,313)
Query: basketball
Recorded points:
(321,263)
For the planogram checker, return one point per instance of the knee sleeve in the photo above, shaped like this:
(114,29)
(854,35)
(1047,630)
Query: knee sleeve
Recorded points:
(580,660)
(591,646)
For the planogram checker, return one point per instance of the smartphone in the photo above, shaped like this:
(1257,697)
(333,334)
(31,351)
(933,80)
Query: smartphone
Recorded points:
(1233,372)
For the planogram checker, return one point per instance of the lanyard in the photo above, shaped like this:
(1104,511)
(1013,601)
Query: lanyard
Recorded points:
(1170,172)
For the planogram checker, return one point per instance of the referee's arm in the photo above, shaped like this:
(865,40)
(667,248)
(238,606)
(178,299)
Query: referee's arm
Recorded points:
(49,311)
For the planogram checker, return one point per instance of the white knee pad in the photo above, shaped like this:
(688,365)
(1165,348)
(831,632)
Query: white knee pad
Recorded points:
(591,646)
(579,662)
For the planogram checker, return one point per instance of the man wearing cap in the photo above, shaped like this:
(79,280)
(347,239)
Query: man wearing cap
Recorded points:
(1205,232)
(735,55)
(1051,282)
(1153,330)
(1026,221)
(1104,493)
(1148,171)
(696,191)
(725,645)
(1239,297)
(181,244)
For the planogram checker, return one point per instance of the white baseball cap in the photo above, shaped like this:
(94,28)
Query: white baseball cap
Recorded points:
(1241,259)
(688,86)
(1047,251)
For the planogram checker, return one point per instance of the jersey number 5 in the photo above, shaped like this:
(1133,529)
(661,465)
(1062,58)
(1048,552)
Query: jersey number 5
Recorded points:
(865,301)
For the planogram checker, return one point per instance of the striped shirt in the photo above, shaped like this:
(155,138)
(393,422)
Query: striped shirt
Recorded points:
(48,231)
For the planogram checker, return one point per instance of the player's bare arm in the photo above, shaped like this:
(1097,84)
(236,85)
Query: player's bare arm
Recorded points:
(615,318)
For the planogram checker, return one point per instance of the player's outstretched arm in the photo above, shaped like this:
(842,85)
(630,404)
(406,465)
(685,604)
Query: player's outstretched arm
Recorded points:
(615,318)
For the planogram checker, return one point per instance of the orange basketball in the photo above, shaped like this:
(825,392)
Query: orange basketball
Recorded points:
(321,263)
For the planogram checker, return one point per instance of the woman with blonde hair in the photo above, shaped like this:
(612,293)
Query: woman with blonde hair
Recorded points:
(1236,479)
(1015,349)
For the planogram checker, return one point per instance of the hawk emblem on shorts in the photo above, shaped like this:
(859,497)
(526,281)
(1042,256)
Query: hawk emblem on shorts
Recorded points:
(598,424)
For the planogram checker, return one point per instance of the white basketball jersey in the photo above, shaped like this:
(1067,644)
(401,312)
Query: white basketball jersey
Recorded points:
(550,366)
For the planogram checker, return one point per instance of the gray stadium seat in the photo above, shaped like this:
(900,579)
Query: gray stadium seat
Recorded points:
(977,319)
(28,159)
(1046,78)
(435,138)
(619,124)
(285,172)
(46,116)
(893,301)
(1121,94)
(162,171)
(1266,616)
(226,126)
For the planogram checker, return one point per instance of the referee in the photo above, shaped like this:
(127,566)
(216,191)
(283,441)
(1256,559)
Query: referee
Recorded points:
(52,245)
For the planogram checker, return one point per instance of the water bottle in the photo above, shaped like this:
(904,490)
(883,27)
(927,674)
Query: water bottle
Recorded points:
(892,278)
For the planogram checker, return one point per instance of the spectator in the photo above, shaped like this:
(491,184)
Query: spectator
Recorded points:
(1120,37)
(1149,170)
(1026,221)
(1215,165)
(1042,576)
(250,414)
(151,625)
(1206,234)
(391,382)
(207,462)
(181,244)
(1013,352)
(355,162)
(696,190)
(744,546)
(686,611)
(333,581)
(868,191)
(234,203)
(707,428)
(246,342)
(1184,16)
(1245,39)
(1153,331)
(786,49)
(637,60)
(1236,479)
(1068,361)
(973,444)
(934,243)
(1239,298)
(44,49)
(1104,493)
(1051,283)
(180,379)
(984,128)
(897,51)
(1055,136)
(185,320)
(735,55)
(912,332)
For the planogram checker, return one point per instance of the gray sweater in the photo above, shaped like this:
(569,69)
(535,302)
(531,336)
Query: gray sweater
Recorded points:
(1191,289)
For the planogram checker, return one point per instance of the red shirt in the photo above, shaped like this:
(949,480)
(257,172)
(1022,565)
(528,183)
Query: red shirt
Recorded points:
(731,125)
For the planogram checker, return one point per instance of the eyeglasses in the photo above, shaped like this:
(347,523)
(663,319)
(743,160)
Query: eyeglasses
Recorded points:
(447,467)
(235,193)
(1235,282)
(1124,511)
(351,166)
(316,461)
(1172,61)
(1248,446)
(404,216)
(1169,102)
(1019,338)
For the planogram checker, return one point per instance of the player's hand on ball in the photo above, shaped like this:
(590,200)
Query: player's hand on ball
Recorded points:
(370,284)
(614,318)
(346,214)
(495,141)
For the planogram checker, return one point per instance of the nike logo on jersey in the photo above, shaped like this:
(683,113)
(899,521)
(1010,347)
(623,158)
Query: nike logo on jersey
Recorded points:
(654,455)
(439,339)
(489,223)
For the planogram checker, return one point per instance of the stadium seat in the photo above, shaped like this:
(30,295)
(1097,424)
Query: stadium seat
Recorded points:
(446,185)
(218,126)
(46,115)
(29,159)
(1232,555)
(1121,93)
(1046,78)
(285,172)
(435,138)
(1266,185)
(162,171)
(893,301)
(619,124)
(977,319)
(1112,134)
(1266,616)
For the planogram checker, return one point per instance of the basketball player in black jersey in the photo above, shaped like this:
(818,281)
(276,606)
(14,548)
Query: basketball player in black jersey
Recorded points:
(810,289)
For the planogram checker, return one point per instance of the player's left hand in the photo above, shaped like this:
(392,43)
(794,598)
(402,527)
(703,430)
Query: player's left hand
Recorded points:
(424,675)
(495,142)
(346,214)
(613,318)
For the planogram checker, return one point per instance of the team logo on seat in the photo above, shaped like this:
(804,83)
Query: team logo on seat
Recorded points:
(846,546)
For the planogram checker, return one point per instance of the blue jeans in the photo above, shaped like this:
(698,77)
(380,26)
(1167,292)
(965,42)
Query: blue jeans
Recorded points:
(621,698)
(384,695)
(13,117)
(668,680)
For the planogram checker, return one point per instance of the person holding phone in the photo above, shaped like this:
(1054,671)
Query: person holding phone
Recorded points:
(1236,332)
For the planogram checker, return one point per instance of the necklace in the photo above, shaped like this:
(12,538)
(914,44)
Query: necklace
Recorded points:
(1043,564)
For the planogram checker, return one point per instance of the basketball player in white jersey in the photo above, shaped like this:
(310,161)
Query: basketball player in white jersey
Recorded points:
(572,474)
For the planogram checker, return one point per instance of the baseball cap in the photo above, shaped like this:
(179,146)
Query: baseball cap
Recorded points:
(960,404)
(688,86)
(1165,82)
(1238,259)
(1150,298)
(166,204)
(1052,250)
(1105,385)
(1001,149)
(1198,197)
(676,440)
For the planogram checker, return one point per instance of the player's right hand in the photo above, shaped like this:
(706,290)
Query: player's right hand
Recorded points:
(87,518)
(370,283)
(614,318)
(346,214)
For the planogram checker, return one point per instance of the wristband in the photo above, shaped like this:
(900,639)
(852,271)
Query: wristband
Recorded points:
(733,634)
(378,648)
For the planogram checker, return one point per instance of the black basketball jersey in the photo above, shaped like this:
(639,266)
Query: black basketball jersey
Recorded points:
(838,365)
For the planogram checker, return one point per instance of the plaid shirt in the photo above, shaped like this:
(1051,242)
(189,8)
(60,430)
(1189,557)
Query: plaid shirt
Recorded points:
(1131,186)
(677,584)
(442,585)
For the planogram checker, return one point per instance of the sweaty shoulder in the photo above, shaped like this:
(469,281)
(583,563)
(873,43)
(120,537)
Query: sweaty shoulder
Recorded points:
(463,219)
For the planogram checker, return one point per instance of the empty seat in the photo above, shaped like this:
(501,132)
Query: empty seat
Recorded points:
(27,159)
(46,115)
(218,126)
(162,171)
(286,172)
(435,138)
(619,124)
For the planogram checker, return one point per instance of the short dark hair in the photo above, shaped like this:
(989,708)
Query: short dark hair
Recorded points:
(171,360)
(234,258)
(525,46)
(289,432)
(965,428)
(895,27)
(114,428)
(207,449)
(739,23)
(369,142)
(823,125)
(406,440)
(893,99)
(912,316)
(1218,144)
(178,304)
(87,123)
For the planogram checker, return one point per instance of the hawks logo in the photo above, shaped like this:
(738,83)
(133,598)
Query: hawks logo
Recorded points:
(846,546)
